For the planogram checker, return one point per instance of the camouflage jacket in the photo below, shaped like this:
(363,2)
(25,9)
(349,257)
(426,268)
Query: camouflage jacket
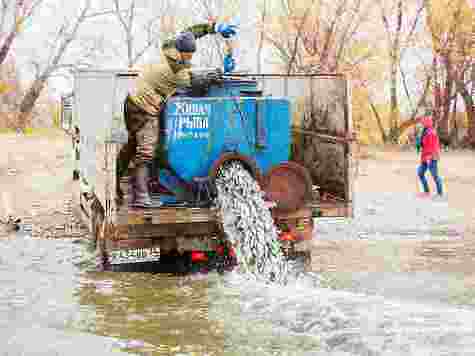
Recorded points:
(158,82)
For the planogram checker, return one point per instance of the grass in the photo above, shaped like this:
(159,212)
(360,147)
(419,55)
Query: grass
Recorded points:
(35,132)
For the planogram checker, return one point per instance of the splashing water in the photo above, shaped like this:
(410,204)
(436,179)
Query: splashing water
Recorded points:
(248,224)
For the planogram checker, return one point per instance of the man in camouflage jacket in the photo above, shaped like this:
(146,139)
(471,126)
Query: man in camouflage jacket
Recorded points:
(142,108)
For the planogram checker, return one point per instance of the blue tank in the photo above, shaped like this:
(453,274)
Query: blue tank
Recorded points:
(232,88)
(231,118)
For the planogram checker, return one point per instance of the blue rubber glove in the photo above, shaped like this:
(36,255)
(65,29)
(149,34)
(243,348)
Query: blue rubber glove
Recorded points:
(228,63)
(226,30)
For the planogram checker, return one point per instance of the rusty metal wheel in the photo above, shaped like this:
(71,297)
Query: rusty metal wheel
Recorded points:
(289,185)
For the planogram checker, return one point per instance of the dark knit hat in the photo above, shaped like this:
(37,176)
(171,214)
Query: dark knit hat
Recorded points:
(185,42)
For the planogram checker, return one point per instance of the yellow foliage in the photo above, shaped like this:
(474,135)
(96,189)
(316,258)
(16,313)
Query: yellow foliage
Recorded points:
(450,18)
(28,131)
(364,120)
(6,130)
(20,24)
(5,87)
(56,113)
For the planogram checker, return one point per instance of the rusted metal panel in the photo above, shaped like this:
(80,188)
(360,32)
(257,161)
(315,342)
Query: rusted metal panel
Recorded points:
(200,243)
(322,126)
(288,185)
(325,161)
(323,137)
(323,108)
(167,230)
(98,111)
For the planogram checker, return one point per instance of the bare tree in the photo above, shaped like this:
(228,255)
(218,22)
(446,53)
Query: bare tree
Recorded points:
(289,45)
(18,12)
(317,38)
(263,13)
(211,50)
(453,46)
(394,30)
(132,19)
(58,46)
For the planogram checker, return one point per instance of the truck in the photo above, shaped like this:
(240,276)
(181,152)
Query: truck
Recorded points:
(293,133)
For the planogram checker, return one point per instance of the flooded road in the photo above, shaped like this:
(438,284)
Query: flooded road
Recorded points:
(379,286)
(53,303)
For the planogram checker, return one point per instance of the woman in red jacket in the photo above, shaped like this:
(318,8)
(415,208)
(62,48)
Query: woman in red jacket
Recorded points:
(430,154)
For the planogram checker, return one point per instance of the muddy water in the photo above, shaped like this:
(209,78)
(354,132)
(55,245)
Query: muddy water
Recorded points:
(53,303)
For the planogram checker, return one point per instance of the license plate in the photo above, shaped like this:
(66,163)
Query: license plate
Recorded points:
(134,255)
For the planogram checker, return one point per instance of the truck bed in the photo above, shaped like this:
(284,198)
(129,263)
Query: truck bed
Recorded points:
(128,215)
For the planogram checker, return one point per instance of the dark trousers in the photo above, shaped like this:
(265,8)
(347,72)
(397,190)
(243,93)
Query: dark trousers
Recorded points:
(433,168)
(143,130)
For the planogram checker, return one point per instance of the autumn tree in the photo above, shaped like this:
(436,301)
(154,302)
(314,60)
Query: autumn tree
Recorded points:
(318,35)
(10,92)
(51,58)
(451,25)
(399,25)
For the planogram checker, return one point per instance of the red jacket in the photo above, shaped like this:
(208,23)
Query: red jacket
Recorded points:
(430,142)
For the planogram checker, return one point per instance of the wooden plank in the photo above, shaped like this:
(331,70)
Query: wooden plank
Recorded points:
(171,229)
(164,215)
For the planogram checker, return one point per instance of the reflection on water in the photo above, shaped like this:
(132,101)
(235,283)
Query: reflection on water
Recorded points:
(193,315)
(167,313)
(229,315)
(50,285)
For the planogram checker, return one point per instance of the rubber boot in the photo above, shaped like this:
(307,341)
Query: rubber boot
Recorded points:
(131,192)
(142,197)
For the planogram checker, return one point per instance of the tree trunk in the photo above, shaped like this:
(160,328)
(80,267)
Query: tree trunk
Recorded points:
(28,102)
(394,103)
(444,122)
(33,93)
(379,121)
(470,99)
(394,115)
(436,111)
(395,57)
(260,45)
(6,46)
(454,131)
(470,109)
